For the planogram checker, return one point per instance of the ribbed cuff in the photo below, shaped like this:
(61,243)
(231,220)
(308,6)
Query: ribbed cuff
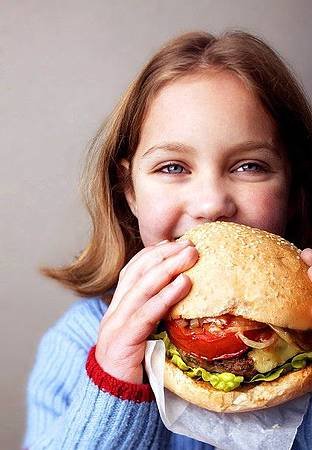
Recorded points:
(126,391)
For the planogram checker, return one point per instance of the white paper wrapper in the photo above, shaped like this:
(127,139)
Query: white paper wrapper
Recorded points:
(272,428)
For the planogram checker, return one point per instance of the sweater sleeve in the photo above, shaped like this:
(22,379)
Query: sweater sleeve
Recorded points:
(67,410)
(304,434)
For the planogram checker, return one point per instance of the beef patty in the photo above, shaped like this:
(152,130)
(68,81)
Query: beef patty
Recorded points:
(241,365)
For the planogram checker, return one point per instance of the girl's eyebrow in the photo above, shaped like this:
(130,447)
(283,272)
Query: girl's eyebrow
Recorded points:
(242,146)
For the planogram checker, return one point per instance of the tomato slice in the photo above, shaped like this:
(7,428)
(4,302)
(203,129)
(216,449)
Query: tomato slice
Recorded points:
(223,344)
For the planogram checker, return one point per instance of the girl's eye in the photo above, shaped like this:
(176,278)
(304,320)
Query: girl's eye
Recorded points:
(172,168)
(251,167)
(177,169)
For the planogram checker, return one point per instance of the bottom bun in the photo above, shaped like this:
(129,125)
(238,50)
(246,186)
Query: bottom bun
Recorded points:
(247,397)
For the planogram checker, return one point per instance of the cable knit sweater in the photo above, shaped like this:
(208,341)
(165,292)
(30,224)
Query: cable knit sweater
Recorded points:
(73,404)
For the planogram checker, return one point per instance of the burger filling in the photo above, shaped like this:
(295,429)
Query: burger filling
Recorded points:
(228,350)
(240,365)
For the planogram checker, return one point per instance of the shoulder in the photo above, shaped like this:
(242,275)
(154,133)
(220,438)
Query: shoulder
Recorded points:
(80,323)
(88,309)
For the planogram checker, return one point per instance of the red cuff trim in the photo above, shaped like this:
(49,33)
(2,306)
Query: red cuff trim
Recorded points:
(126,391)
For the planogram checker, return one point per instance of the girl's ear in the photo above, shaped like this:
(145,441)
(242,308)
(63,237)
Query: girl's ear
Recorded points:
(125,178)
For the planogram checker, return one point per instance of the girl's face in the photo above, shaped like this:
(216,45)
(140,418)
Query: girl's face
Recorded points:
(208,151)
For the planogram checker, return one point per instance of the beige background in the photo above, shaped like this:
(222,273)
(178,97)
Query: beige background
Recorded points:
(63,66)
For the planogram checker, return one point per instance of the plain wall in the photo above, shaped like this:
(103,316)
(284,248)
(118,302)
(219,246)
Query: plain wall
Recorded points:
(64,64)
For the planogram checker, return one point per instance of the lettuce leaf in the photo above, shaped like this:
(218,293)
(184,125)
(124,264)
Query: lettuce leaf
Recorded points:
(227,381)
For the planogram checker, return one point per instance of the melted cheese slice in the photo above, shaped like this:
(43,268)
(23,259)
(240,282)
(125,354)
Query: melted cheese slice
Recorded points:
(277,354)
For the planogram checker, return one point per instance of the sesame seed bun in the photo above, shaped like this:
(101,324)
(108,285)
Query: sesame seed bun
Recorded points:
(246,272)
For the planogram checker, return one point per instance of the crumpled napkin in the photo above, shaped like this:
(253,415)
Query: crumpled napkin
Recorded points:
(272,428)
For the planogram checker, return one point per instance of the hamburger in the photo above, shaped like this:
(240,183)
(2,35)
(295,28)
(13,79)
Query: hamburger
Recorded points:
(241,339)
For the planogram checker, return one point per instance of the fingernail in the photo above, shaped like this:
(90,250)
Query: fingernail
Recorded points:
(185,242)
(162,242)
(178,280)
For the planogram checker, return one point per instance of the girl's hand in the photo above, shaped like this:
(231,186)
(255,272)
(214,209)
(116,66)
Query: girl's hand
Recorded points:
(144,294)
(306,255)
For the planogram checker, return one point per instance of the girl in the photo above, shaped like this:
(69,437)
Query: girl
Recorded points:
(212,129)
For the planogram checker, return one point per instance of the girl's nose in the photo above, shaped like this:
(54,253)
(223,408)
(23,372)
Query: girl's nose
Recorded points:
(211,201)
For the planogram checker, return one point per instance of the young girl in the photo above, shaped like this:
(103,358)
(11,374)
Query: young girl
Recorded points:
(211,129)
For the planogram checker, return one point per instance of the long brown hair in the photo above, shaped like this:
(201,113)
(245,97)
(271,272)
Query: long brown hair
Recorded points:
(115,237)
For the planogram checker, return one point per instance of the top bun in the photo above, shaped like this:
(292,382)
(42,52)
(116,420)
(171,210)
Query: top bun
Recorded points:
(246,272)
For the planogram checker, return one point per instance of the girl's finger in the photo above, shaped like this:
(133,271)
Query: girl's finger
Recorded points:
(143,251)
(139,255)
(156,279)
(142,263)
(306,255)
(144,320)
(154,254)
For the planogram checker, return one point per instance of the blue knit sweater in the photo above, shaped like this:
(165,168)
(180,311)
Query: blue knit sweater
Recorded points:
(66,410)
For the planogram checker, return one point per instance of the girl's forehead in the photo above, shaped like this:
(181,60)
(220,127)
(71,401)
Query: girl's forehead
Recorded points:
(214,95)
(218,84)
(206,108)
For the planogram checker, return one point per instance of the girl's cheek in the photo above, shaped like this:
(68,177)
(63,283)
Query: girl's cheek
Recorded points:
(268,209)
(158,218)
